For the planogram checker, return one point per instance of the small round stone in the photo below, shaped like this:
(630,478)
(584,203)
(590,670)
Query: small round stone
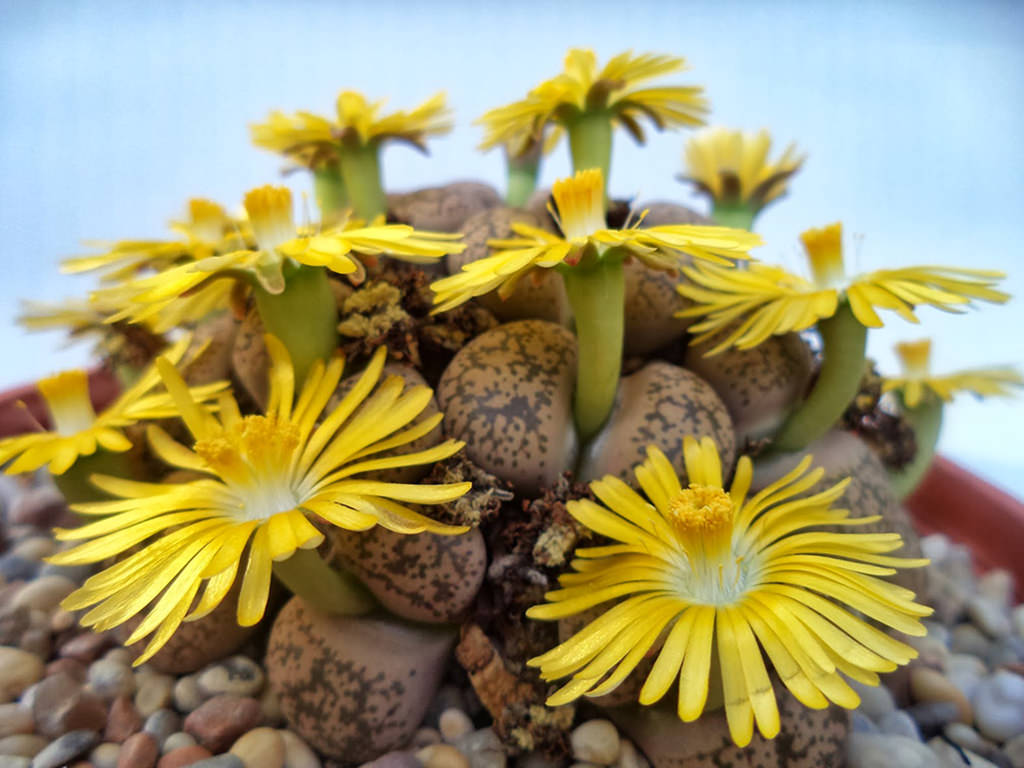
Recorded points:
(1014,750)
(60,704)
(630,757)
(875,700)
(187,695)
(122,721)
(989,617)
(177,740)
(65,749)
(483,748)
(110,679)
(442,756)
(18,670)
(454,724)
(155,691)
(183,756)
(218,722)
(966,737)
(270,705)
(871,750)
(45,593)
(424,737)
(997,586)
(999,706)
(15,719)
(929,686)
(125,657)
(260,748)
(595,741)
(968,639)
(237,675)
(138,751)
(14,761)
(297,753)
(24,744)
(899,723)
(161,724)
(226,760)
(34,548)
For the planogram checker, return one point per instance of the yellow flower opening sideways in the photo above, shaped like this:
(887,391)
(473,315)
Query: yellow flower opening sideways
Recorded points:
(311,140)
(918,384)
(766,300)
(732,167)
(263,477)
(579,212)
(280,242)
(583,87)
(698,568)
(78,430)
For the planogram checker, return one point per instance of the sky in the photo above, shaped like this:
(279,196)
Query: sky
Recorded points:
(113,114)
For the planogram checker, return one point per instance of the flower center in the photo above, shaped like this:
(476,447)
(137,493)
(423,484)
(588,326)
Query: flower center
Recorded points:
(207,221)
(702,518)
(270,213)
(67,397)
(914,356)
(580,203)
(254,459)
(825,253)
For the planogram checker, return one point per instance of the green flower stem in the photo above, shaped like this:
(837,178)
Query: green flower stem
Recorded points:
(597,295)
(74,483)
(844,341)
(737,215)
(360,169)
(522,176)
(307,575)
(329,188)
(304,317)
(590,141)
(926,420)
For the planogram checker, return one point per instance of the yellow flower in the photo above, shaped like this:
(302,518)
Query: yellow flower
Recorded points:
(701,566)
(312,141)
(279,243)
(207,231)
(766,300)
(264,476)
(918,384)
(732,167)
(79,431)
(582,87)
(580,216)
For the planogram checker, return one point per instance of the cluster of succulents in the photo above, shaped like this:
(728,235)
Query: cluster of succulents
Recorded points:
(371,406)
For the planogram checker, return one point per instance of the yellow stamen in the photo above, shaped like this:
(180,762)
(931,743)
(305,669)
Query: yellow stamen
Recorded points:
(914,356)
(825,253)
(270,213)
(701,510)
(67,397)
(580,203)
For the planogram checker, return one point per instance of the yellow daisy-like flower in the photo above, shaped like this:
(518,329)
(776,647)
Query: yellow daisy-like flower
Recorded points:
(208,230)
(918,383)
(766,300)
(582,87)
(278,243)
(312,140)
(732,167)
(701,568)
(79,431)
(580,215)
(264,476)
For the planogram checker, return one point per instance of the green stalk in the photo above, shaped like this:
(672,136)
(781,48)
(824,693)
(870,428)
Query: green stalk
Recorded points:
(329,188)
(522,176)
(926,420)
(590,141)
(74,483)
(737,215)
(304,317)
(597,295)
(360,169)
(844,342)
(307,575)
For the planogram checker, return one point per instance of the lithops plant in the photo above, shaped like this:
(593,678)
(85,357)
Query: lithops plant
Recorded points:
(443,209)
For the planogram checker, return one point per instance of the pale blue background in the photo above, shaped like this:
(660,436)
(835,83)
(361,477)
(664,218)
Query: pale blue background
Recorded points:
(113,113)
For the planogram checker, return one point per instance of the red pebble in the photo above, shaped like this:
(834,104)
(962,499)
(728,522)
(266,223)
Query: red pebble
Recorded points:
(182,756)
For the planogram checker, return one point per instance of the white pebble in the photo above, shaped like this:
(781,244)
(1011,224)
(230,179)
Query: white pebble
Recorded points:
(630,757)
(989,617)
(187,696)
(424,737)
(442,756)
(125,657)
(595,741)
(454,724)
(999,706)
(260,748)
(177,741)
(105,755)
(44,594)
(297,753)
(110,679)
(154,692)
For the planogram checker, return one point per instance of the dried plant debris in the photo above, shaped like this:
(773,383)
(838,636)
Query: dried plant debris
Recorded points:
(373,316)
(887,432)
(483,501)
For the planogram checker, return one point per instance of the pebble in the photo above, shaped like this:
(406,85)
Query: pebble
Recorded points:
(965,672)
(999,706)
(260,748)
(41,506)
(85,647)
(861,723)
(65,749)
(123,656)
(14,568)
(138,751)
(187,696)
(15,719)
(968,639)
(931,717)
(60,704)
(987,616)
(44,593)
(394,760)
(182,756)
(270,705)
(14,761)
(483,748)
(951,757)
(870,750)
(966,737)
(24,744)
(34,548)
(875,700)
(440,756)
(899,723)
(110,679)
(297,753)
(237,675)
(221,761)
(61,620)
(997,586)
(929,686)
(18,670)
(218,722)
(630,757)
(161,724)
(424,737)
(105,755)
(14,622)
(454,724)
(153,692)
(1014,750)
(595,741)
(177,741)
(1017,619)
(124,720)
